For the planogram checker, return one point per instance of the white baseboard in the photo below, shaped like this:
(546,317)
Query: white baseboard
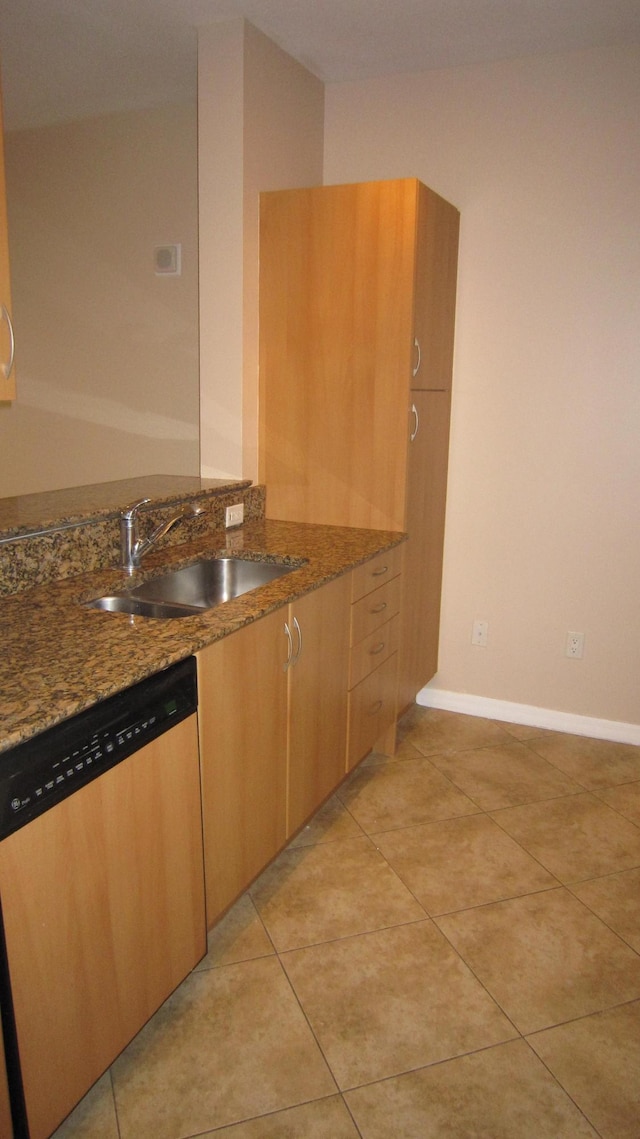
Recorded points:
(529,715)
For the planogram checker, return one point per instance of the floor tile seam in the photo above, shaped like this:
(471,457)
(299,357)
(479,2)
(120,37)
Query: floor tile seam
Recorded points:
(307,1020)
(353,936)
(439,1063)
(558,1082)
(615,932)
(523,848)
(618,812)
(573,1020)
(425,822)
(556,884)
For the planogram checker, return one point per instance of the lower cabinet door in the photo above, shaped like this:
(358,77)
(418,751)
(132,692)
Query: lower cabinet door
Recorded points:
(103,909)
(318,678)
(242,687)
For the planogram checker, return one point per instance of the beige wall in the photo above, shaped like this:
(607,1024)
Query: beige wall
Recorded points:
(107,352)
(542,157)
(260,128)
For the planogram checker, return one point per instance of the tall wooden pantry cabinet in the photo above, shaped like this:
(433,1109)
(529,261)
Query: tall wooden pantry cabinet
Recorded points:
(7,372)
(357,306)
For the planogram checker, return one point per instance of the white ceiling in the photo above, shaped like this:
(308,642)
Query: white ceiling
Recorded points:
(67,57)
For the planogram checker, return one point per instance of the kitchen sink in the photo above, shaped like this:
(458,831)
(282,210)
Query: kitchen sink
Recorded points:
(200,586)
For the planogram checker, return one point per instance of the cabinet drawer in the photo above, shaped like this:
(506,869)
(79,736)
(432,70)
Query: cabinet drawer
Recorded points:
(375,609)
(372,709)
(375,572)
(374,650)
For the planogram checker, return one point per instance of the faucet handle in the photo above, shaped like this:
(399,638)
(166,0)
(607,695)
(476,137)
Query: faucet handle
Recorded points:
(130,512)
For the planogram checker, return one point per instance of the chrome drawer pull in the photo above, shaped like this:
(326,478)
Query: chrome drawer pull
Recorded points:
(375,708)
(7,368)
(416,345)
(379,572)
(416,420)
(378,649)
(379,608)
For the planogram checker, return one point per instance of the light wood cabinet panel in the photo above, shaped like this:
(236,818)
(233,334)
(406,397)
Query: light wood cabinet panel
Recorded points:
(372,708)
(242,687)
(6,1124)
(336,335)
(435,292)
(370,652)
(318,699)
(92,954)
(374,609)
(350,278)
(426,506)
(378,570)
(273,717)
(7,382)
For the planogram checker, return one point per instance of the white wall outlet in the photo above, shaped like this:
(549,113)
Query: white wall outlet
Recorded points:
(575,646)
(480,633)
(234,515)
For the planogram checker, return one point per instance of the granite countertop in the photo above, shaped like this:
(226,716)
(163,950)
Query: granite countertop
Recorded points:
(59,657)
(27,513)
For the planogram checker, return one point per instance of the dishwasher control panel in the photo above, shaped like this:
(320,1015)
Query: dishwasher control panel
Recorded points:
(37,774)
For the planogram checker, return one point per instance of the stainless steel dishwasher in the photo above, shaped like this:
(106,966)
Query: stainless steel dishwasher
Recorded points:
(101,888)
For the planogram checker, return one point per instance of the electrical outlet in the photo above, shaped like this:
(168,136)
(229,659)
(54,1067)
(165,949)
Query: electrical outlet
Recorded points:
(234,515)
(480,633)
(575,646)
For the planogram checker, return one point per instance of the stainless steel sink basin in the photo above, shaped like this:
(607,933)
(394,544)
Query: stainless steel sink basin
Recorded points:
(184,592)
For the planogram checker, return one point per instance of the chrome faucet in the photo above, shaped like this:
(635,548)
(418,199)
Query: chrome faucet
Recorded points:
(132,546)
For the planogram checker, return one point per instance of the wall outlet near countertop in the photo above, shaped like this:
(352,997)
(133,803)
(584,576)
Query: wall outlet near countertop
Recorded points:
(234,515)
(480,633)
(575,646)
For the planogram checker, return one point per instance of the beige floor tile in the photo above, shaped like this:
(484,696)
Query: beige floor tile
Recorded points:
(230,1044)
(625,799)
(593,763)
(576,837)
(386,1002)
(500,1093)
(330,823)
(615,899)
(94,1117)
(545,958)
(597,1060)
(391,795)
(337,889)
(323,1119)
(438,731)
(504,776)
(462,862)
(238,936)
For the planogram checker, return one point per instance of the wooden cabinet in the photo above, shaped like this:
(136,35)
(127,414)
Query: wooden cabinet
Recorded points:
(6,1124)
(7,371)
(103,907)
(273,709)
(357,300)
(242,714)
(317,679)
(375,629)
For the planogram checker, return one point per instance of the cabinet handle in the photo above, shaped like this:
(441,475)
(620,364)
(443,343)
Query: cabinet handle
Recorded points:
(375,708)
(416,422)
(378,608)
(379,572)
(289,647)
(416,345)
(7,368)
(378,649)
(299,635)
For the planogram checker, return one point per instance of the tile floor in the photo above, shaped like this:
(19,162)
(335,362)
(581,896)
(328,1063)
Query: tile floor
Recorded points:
(450,949)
